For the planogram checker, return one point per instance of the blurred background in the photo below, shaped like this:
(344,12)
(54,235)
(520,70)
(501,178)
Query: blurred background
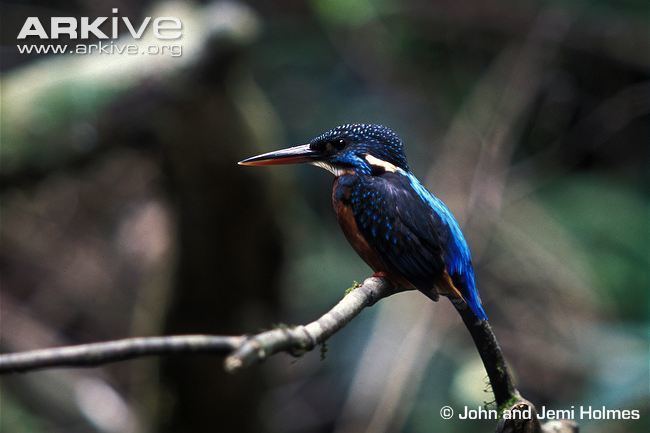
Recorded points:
(124,212)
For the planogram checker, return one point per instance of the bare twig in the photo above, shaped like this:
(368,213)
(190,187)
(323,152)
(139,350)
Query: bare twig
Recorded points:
(90,355)
(241,351)
(306,337)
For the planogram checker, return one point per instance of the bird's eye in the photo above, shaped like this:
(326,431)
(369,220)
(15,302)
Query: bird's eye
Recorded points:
(340,143)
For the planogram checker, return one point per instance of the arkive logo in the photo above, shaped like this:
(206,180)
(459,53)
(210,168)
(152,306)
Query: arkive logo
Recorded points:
(164,28)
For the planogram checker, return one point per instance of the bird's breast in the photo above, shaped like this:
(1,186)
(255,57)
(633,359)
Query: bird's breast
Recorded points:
(341,193)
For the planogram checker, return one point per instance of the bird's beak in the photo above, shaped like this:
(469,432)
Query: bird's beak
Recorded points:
(291,155)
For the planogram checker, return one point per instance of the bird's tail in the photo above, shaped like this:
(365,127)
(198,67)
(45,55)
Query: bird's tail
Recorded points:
(474,303)
(467,285)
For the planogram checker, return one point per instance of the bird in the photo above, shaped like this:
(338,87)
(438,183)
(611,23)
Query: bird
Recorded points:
(400,229)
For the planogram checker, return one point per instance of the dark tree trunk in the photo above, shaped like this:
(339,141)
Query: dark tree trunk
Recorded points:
(229,253)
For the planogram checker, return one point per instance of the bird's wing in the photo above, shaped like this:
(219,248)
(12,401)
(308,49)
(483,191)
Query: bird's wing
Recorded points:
(415,234)
(400,227)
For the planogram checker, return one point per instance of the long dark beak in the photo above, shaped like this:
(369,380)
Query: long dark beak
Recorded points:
(292,155)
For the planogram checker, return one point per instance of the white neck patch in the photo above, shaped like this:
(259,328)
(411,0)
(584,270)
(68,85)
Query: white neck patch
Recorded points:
(387,166)
(329,167)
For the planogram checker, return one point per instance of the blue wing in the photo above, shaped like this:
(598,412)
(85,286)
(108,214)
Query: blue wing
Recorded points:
(414,233)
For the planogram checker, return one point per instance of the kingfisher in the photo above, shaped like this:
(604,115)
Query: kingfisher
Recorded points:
(400,229)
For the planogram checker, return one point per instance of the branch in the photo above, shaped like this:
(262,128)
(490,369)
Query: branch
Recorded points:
(241,351)
(304,338)
(90,355)
(495,364)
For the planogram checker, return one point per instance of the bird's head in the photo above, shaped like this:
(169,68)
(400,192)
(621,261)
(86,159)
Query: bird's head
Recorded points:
(353,148)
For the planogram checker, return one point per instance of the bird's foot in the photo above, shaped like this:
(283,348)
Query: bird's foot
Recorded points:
(397,286)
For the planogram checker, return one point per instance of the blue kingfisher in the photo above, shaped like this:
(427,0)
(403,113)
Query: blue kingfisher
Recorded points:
(401,230)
